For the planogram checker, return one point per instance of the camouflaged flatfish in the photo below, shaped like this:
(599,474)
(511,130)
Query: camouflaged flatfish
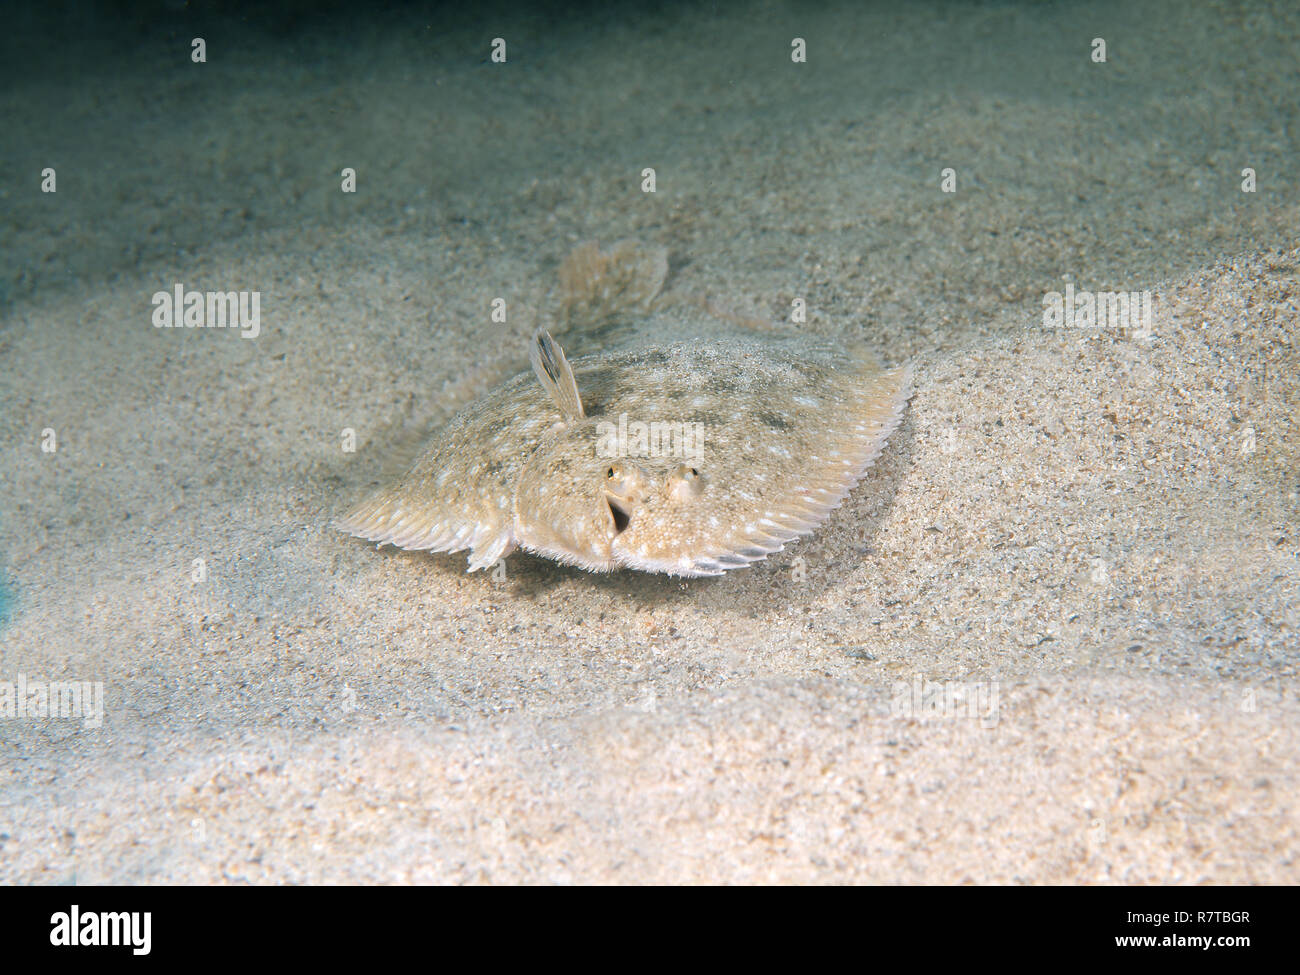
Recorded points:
(688,459)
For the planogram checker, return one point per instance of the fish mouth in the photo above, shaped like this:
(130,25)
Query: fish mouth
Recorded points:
(621,515)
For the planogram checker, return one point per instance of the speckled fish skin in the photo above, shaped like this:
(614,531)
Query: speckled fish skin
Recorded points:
(789,429)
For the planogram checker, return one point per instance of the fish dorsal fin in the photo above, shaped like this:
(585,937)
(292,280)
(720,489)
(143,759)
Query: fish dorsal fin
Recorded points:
(555,374)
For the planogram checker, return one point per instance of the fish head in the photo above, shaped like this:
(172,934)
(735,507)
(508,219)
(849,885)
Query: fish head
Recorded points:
(567,503)
(651,496)
(662,510)
(576,504)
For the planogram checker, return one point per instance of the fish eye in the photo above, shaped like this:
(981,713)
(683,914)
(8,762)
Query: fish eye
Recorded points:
(686,483)
(609,474)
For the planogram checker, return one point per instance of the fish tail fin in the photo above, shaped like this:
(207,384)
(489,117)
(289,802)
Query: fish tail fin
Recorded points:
(600,290)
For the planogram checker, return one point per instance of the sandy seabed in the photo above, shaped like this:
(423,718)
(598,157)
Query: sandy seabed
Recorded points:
(1052,637)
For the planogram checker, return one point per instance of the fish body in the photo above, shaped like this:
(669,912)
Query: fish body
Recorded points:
(689,459)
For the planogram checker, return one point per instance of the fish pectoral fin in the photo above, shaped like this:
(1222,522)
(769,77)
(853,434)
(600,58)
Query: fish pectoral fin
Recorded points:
(487,553)
(405,518)
(555,374)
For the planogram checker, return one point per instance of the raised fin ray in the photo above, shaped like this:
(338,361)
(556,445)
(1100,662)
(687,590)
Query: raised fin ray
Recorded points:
(555,374)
